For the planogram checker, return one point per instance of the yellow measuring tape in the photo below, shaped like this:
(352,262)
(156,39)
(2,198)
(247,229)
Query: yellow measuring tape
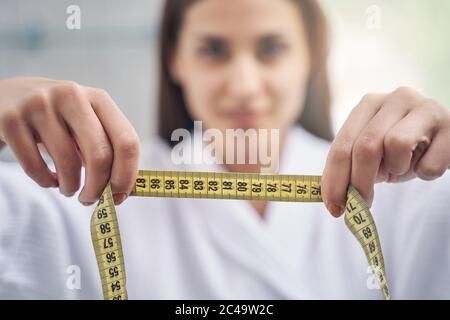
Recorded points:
(245,186)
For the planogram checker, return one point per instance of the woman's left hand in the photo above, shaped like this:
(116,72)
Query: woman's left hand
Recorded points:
(386,138)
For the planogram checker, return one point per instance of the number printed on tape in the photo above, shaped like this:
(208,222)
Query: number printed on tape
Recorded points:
(217,185)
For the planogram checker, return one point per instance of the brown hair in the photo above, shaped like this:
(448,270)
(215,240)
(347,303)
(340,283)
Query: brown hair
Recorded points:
(315,118)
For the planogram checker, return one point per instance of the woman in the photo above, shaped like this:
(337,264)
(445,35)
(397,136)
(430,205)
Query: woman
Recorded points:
(233,64)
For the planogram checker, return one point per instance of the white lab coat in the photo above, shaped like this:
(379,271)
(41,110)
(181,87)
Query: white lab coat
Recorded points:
(222,249)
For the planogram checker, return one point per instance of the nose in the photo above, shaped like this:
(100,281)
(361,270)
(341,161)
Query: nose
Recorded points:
(244,80)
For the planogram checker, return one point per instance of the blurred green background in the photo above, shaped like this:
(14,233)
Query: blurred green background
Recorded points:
(417,32)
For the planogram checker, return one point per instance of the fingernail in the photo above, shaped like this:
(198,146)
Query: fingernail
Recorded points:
(66,194)
(84,199)
(335,209)
(87,203)
(119,198)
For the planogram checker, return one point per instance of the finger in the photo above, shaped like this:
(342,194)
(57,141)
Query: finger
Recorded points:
(90,137)
(417,128)
(61,147)
(124,140)
(368,150)
(410,174)
(436,160)
(20,139)
(336,175)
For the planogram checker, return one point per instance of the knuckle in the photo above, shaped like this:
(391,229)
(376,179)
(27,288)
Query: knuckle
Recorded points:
(397,141)
(341,151)
(434,111)
(428,170)
(331,194)
(128,145)
(102,97)
(102,158)
(368,101)
(366,147)
(39,101)
(68,90)
(31,168)
(102,93)
(369,98)
(405,92)
(10,121)
(70,163)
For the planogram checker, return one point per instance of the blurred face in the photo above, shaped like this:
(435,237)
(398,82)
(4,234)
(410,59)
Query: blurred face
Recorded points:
(242,63)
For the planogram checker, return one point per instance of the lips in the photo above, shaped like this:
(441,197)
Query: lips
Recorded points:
(245,119)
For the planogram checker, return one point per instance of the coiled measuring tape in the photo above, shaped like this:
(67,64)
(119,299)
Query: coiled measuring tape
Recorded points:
(245,186)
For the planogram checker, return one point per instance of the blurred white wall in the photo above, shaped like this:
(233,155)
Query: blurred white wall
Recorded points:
(115,49)
(379,45)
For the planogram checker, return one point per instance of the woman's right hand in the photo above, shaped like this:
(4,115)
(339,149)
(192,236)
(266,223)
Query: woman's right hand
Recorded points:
(79,126)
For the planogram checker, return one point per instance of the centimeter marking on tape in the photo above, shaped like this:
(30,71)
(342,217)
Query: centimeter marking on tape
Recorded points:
(246,186)
(105,236)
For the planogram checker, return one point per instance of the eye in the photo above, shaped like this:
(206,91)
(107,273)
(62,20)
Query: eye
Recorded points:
(271,48)
(214,50)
